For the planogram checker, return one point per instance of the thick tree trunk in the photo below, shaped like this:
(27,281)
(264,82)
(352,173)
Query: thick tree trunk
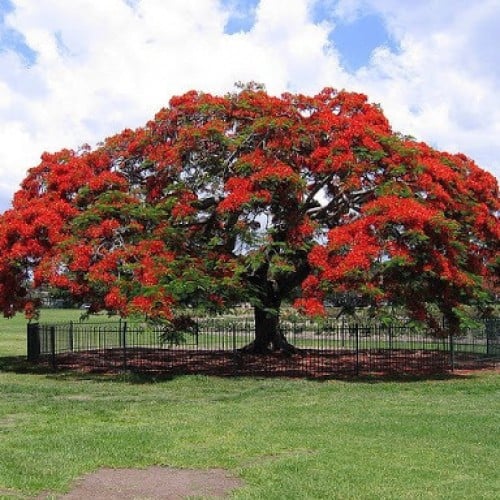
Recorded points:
(268,335)
(270,292)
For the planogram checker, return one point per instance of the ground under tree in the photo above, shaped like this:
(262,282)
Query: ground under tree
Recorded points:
(254,198)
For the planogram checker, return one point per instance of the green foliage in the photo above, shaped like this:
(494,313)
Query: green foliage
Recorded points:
(177,330)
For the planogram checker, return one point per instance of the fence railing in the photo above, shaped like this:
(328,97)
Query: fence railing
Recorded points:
(215,346)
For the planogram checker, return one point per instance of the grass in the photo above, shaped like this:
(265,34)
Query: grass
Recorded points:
(13,330)
(293,439)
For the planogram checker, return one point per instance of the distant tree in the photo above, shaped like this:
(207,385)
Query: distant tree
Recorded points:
(250,197)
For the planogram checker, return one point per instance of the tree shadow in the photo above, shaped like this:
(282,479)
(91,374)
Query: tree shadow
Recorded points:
(19,364)
(136,375)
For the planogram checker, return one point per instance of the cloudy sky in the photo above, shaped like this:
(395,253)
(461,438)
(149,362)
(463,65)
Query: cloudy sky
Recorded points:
(77,71)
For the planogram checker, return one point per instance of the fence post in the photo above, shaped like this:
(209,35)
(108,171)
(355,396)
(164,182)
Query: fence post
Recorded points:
(234,336)
(124,344)
(452,352)
(356,339)
(70,339)
(52,339)
(33,342)
(492,337)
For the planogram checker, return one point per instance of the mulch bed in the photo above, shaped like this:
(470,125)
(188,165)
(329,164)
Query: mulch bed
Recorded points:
(313,364)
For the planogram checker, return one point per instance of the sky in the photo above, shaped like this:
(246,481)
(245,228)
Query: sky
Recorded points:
(75,72)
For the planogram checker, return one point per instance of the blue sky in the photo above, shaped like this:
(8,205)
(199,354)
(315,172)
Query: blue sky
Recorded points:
(355,38)
(11,39)
(76,72)
(242,15)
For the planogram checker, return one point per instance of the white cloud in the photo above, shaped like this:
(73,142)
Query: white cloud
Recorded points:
(441,87)
(105,65)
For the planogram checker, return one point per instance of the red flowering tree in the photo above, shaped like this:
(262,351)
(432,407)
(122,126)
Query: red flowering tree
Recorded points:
(250,197)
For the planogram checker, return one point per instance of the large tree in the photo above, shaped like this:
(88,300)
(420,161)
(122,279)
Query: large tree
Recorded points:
(256,198)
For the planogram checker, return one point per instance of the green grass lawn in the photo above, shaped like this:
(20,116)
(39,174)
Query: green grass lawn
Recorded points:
(287,439)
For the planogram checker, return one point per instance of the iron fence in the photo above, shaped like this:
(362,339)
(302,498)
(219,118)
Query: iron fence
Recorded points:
(215,346)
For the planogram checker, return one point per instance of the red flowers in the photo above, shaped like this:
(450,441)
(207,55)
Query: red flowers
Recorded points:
(184,207)
(115,300)
(311,306)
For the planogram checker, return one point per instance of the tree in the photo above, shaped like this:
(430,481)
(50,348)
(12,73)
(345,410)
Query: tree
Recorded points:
(250,197)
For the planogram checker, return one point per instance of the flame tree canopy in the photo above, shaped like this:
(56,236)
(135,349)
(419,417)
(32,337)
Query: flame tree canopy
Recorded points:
(254,198)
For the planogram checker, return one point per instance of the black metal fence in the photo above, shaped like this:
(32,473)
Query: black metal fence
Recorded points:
(325,349)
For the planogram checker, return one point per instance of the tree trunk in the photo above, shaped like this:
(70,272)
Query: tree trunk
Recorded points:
(268,335)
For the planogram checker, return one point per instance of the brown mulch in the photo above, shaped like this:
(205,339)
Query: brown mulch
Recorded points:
(155,483)
(308,363)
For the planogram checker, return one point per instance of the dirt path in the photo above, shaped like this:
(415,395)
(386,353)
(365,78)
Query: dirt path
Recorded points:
(154,483)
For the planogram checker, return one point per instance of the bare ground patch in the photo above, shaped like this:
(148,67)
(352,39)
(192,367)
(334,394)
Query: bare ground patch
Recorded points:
(154,483)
